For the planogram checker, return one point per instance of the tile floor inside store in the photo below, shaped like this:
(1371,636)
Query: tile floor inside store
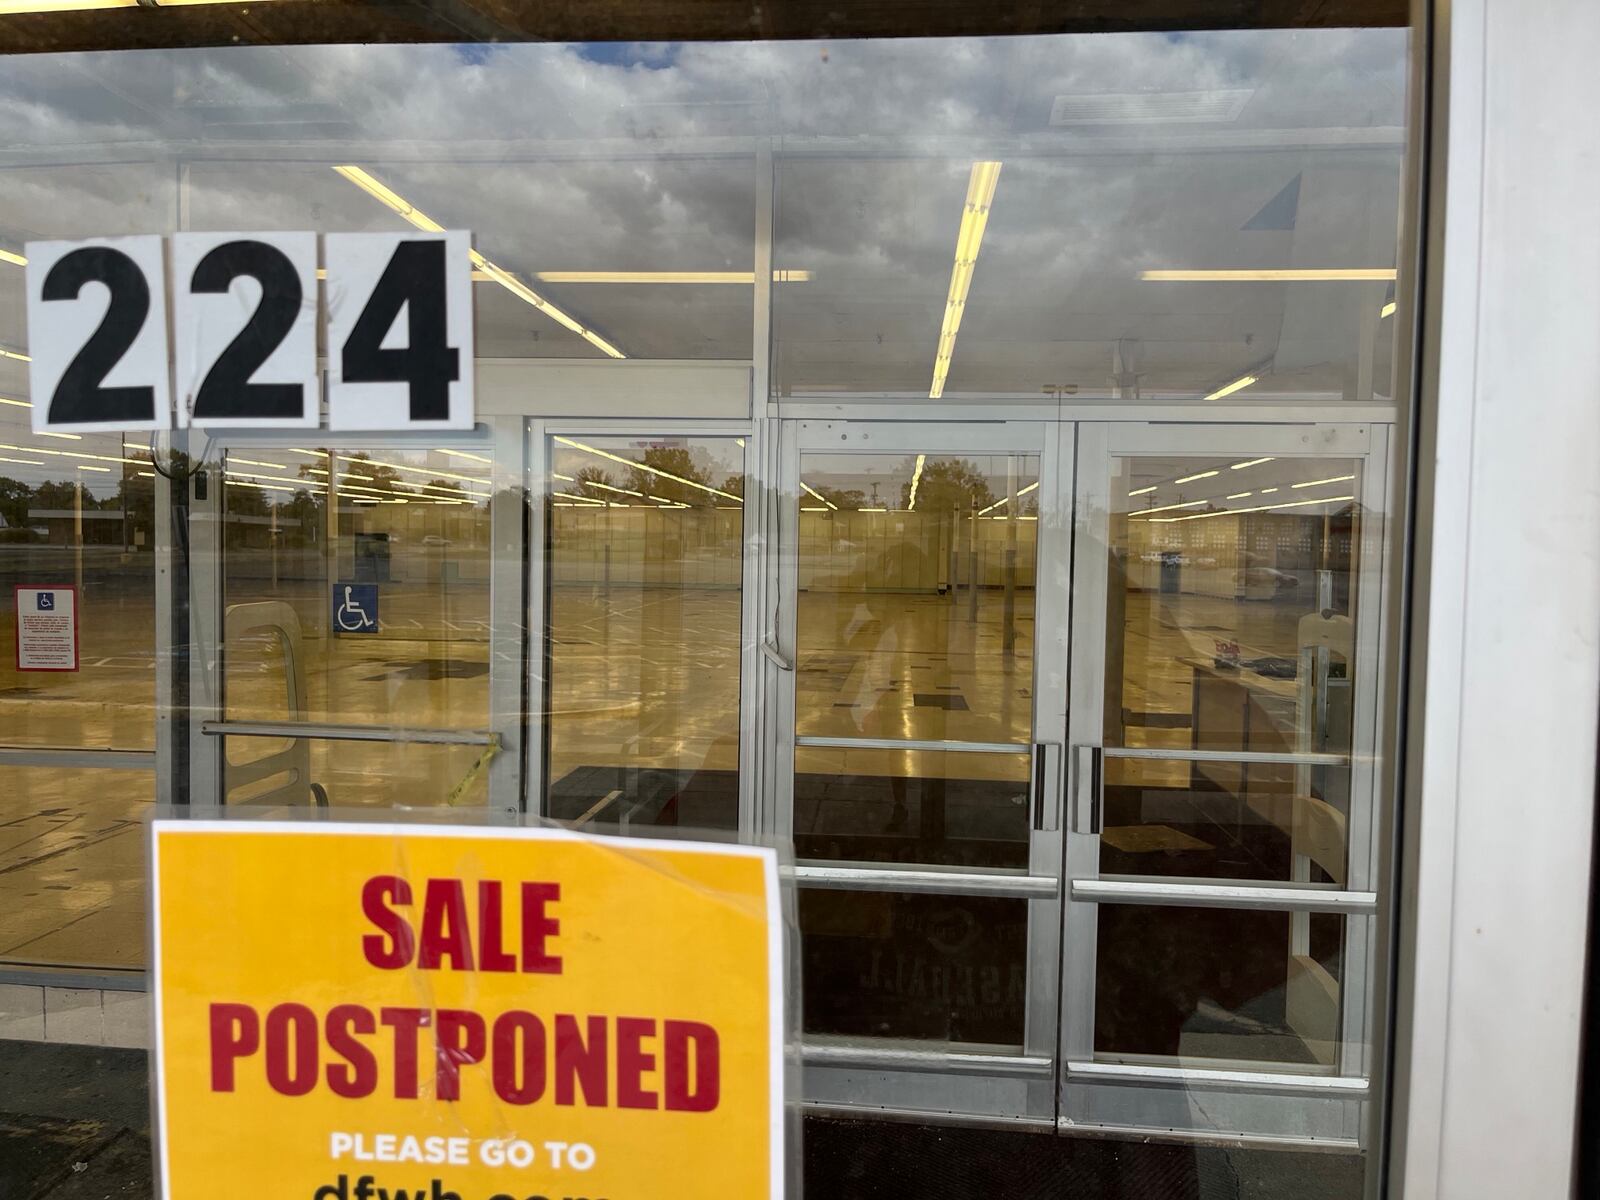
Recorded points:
(642,678)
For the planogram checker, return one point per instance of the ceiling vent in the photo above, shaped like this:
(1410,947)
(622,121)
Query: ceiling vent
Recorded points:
(1131,108)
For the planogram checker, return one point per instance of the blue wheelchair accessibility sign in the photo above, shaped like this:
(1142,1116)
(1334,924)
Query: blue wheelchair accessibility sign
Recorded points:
(355,608)
(46,601)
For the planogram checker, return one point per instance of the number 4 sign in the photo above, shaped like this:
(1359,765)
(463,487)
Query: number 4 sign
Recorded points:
(244,307)
(399,331)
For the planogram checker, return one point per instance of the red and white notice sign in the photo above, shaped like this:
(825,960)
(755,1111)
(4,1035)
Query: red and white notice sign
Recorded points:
(47,627)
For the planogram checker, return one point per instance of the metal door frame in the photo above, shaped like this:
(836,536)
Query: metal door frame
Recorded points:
(1173,1100)
(907,1076)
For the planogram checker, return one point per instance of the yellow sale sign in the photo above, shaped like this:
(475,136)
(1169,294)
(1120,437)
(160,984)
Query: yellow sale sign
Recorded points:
(392,1012)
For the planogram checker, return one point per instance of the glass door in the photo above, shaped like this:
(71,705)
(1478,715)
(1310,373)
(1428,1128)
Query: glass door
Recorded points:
(349,603)
(923,633)
(1220,864)
(638,588)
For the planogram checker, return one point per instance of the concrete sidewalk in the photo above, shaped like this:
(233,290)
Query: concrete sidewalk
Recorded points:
(74,1122)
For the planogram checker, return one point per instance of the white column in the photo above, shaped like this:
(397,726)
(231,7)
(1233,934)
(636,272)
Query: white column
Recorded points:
(1506,645)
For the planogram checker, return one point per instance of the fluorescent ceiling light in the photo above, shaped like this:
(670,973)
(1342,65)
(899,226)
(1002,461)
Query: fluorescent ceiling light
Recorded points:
(745,277)
(916,479)
(15,260)
(252,462)
(4,353)
(12,7)
(1268,491)
(1254,462)
(1201,475)
(488,462)
(70,454)
(17,403)
(1386,311)
(608,487)
(1144,490)
(1320,482)
(1007,499)
(280,479)
(1237,385)
(67,437)
(1145,512)
(87,467)
(872,510)
(628,462)
(394,466)
(819,495)
(1234,512)
(388,197)
(1272,275)
(23,462)
(1241,495)
(969,240)
(813,508)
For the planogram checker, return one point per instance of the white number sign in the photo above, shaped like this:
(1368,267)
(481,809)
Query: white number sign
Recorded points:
(399,331)
(244,313)
(399,337)
(97,331)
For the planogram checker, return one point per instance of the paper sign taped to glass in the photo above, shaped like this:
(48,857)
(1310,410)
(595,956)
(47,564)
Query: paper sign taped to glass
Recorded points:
(363,1011)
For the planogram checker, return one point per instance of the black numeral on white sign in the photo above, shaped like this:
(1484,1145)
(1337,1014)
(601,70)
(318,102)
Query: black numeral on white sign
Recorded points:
(245,313)
(399,325)
(244,333)
(414,284)
(99,358)
(82,396)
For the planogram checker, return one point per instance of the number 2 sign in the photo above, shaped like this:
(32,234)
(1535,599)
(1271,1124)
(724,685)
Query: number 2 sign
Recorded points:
(244,313)
(98,335)
(244,316)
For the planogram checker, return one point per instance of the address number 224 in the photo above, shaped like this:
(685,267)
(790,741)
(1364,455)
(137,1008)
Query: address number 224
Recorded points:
(243,337)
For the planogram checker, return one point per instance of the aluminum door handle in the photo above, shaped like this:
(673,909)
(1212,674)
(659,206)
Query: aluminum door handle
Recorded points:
(1088,790)
(1046,786)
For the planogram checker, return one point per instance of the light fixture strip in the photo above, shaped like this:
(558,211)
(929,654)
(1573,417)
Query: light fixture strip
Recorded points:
(1145,512)
(1234,512)
(1237,385)
(1272,275)
(628,462)
(813,491)
(652,277)
(916,480)
(969,240)
(70,454)
(1320,482)
(391,199)
(1007,499)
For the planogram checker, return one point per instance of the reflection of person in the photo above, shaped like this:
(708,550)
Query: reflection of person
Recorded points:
(877,707)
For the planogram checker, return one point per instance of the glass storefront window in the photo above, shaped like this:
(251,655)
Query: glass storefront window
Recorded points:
(965,462)
(72,867)
(645,554)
